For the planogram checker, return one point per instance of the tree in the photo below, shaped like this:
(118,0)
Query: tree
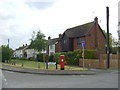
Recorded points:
(6,53)
(38,41)
(110,37)
(113,42)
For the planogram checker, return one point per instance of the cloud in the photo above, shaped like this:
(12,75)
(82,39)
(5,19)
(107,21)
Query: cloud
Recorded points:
(19,18)
(40,5)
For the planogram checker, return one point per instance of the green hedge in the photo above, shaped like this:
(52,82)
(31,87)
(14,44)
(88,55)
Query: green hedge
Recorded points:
(72,58)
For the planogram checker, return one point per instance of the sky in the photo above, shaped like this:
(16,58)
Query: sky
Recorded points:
(19,18)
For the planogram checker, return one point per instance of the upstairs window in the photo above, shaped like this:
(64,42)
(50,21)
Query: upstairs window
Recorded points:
(65,41)
(51,46)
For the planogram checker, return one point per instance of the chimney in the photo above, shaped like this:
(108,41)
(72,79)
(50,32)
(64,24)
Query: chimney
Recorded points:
(96,20)
(49,38)
(60,35)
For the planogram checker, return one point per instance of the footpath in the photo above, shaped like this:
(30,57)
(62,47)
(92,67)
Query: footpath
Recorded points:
(48,72)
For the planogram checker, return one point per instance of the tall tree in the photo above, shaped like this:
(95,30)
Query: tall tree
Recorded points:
(38,41)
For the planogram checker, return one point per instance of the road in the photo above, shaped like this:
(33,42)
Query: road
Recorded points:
(3,81)
(107,79)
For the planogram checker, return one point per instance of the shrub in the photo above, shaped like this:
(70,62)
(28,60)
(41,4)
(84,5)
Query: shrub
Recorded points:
(6,53)
(90,54)
(56,57)
(23,58)
(72,58)
(51,58)
(31,58)
(46,57)
(40,57)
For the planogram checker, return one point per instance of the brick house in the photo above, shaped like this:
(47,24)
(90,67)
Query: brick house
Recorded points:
(90,32)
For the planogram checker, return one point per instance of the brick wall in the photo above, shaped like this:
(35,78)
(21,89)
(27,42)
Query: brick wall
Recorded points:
(101,63)
(58,47)
(93,41)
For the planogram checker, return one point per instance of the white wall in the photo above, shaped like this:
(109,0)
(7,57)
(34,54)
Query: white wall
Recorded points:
(18,53)
(31,53)
(51,49)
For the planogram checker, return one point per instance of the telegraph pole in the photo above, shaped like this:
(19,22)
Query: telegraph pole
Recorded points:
(8,42)
(108,43)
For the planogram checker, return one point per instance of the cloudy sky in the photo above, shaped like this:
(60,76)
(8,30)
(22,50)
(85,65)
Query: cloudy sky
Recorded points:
(19,18)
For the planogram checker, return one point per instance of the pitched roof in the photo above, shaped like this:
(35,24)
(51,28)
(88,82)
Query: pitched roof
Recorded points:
(53,41)
(79,31)
(23,47)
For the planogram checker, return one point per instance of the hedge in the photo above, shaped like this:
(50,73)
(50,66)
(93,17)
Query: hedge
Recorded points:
(72,58)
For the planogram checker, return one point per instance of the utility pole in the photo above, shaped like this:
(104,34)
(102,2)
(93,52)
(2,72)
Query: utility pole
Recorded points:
(108,44)
(8,42)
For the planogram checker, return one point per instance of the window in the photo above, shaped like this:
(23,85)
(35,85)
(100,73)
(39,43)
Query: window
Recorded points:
(51,46)
(65,41)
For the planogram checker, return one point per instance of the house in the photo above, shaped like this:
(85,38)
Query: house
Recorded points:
(31,53)
(90,32)
(20,52)
(25,52)
(54,45)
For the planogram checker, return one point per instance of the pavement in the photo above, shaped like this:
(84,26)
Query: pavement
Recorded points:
(49,72)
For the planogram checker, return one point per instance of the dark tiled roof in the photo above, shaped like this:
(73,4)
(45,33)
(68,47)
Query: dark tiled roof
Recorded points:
(20,48)
(53,41)
(79,31)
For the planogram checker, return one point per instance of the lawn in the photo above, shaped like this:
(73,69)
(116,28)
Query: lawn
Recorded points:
(35,65)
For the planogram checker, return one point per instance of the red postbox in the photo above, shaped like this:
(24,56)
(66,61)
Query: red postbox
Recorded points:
(62,58)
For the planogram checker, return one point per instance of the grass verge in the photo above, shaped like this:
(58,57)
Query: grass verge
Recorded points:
(35,65)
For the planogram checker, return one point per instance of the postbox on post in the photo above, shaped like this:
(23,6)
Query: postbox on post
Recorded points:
(62,58)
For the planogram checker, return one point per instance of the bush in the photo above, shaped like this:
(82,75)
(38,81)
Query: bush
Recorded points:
(72,58)
(57,57)
(40,57)
(90,54)
(6,53)
(46,57)
(51,58)
(31,59)
(22,58)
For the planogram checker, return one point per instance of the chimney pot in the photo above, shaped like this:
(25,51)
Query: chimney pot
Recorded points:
(96,20)
(60,35)
(49,38)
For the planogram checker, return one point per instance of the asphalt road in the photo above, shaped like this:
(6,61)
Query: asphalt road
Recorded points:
(3,81)
(104,79)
